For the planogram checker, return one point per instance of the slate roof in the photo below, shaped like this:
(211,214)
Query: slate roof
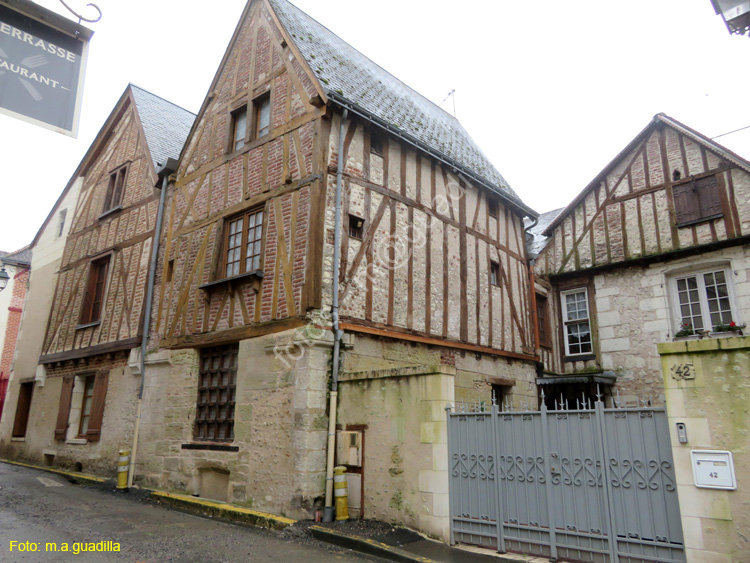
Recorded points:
(535,240)
(21,257)
(344,72)
(165,125)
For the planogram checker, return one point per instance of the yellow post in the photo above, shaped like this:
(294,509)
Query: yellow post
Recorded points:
(341,492)
(123,465)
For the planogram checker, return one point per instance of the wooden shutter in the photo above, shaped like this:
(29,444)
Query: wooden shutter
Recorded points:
(22,410)
(97,408)
(685,204)
(61,428)
(707,192)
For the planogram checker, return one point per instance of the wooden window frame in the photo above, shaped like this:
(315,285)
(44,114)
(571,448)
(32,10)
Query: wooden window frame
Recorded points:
(23,409)
(244,243)
(542,319)
(118,180)
(86,417)
(697,200)
(493,207)
(215,391)
(576,322)
(377,145)
(96,412)
(258,104)
(703,300)
(494,273)
(91,309)
(236,117)
(356,227)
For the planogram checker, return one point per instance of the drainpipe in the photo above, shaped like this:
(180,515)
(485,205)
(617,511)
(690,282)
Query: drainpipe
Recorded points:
(163,173)
(337,333)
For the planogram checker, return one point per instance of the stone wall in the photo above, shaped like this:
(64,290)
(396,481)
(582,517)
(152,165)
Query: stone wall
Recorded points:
(398,392)
(708,389)
(96,457)
(632,312)
(280,429)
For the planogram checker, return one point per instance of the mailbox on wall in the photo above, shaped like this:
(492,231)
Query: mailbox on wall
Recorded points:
(713,469)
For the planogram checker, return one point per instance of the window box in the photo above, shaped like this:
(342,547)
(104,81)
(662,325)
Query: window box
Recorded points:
(255,278)
(687,337)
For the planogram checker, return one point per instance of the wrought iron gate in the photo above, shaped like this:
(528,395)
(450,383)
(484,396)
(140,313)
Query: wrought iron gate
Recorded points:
(594,485)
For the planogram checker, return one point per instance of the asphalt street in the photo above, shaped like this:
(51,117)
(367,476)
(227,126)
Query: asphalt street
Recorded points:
(51,513)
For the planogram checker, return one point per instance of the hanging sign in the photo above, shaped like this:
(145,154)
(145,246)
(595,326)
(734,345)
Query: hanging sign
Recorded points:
(42,66)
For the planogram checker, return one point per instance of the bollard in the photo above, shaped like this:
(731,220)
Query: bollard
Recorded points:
(341,493)
(122,470)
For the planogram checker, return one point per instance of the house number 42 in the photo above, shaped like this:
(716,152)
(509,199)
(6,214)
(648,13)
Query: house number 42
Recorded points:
(683,371)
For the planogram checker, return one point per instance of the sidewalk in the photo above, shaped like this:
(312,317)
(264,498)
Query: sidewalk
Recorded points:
(371,537)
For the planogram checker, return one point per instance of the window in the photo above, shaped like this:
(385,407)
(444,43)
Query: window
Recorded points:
(61,222)
(542,320)
(81,410)
(115,188)
(356,227)
(239,128)
(23,408)
(376,145)
(214,420)
(492,207)
(575,311)
(244,235)
(262,107)
(495,273)
(697,200)
(92,301)
(86,404)
(703,300)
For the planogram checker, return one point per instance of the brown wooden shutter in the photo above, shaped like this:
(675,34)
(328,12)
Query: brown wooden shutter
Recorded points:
(97,408)
(61,428)
(22,409)
(685,203)
(708,196)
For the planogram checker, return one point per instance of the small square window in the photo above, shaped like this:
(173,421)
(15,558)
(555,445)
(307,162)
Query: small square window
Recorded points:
(115,188)
(356,227)
(495,273)
(376,145)
(239,128)
(492,207)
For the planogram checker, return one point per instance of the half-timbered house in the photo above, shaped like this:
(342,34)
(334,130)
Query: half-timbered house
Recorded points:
(82,409)
(432,286)
(654,248)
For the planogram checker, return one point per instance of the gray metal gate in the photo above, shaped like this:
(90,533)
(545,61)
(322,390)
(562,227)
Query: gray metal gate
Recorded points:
(594,485)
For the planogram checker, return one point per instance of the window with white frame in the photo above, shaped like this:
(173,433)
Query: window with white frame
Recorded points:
(703,300)
(576,323)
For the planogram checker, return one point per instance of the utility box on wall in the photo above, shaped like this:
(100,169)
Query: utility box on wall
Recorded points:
(713,469)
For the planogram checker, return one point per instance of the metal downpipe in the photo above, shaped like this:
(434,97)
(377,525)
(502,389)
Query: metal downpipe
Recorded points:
(337,334)
(169,167)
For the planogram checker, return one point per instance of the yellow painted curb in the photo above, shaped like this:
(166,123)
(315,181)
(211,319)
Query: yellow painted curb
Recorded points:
(225,510)
(73,474)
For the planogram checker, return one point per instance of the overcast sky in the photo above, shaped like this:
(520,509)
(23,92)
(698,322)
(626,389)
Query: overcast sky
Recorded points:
(550,90)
